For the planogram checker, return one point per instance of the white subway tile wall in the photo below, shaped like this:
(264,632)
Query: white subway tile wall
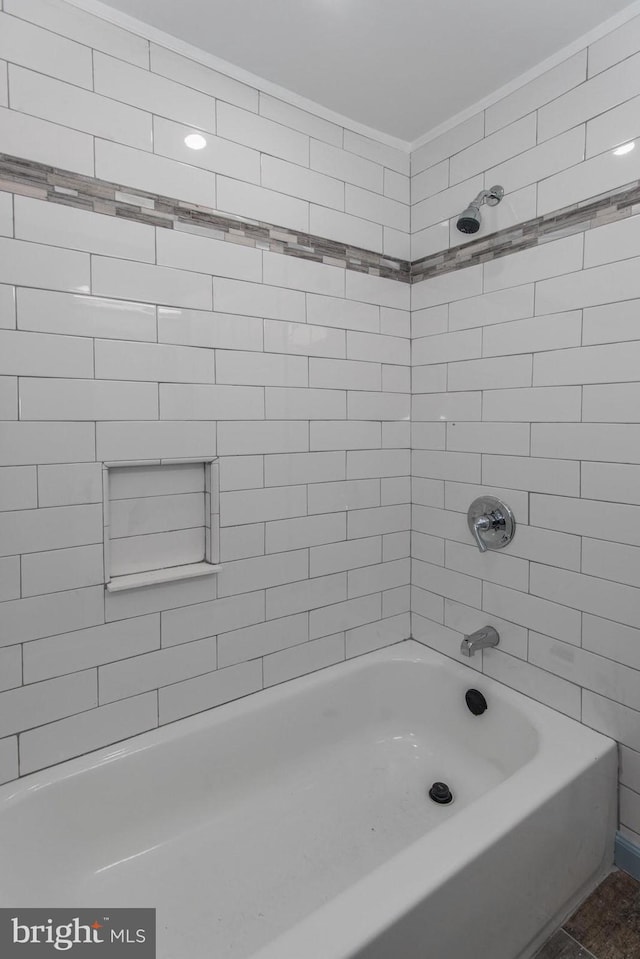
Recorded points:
(123,342)
(120,341)
(525,385)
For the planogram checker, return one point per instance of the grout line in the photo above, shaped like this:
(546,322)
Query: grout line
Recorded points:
(589,955)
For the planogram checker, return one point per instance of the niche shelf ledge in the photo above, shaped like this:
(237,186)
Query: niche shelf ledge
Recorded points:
(152,577)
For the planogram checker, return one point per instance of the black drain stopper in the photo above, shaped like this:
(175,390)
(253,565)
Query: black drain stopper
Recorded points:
(475,701)
(441,794)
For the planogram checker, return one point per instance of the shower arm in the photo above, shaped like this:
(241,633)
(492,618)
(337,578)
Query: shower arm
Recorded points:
(491,197)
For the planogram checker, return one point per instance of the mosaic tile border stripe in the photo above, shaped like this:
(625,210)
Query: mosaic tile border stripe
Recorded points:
(30,178)
(587,215)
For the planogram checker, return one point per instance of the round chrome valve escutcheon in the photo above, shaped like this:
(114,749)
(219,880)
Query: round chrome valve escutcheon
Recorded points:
(491,522)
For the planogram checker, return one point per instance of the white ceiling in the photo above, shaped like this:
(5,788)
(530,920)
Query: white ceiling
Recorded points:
(400,66)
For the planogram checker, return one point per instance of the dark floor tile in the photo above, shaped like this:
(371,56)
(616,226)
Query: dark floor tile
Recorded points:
(562,946)
(608,923)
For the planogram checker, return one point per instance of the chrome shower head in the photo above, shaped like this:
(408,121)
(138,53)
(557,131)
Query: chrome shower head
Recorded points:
(469,220)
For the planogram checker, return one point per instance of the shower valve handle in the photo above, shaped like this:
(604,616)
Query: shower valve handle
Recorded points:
(491,523)
(481,523)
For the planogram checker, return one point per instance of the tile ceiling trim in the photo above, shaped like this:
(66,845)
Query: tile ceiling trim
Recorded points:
(185,49)
(133,25)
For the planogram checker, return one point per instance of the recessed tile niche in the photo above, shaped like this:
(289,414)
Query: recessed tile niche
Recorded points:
(161,522)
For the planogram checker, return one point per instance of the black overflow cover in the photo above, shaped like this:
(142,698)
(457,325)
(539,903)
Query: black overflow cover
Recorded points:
(441,793)
(475,701)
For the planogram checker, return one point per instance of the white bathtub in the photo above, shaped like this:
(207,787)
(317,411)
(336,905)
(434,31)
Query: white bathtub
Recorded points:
(295,824)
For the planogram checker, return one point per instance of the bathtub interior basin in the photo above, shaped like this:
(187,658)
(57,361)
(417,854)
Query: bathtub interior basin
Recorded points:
(255,819)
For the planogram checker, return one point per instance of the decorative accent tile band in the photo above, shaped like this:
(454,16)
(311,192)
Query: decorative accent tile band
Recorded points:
(99,196)
(591,213)
(29,178)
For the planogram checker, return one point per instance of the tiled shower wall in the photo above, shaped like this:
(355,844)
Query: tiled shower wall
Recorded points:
(526,374)
(120,341)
